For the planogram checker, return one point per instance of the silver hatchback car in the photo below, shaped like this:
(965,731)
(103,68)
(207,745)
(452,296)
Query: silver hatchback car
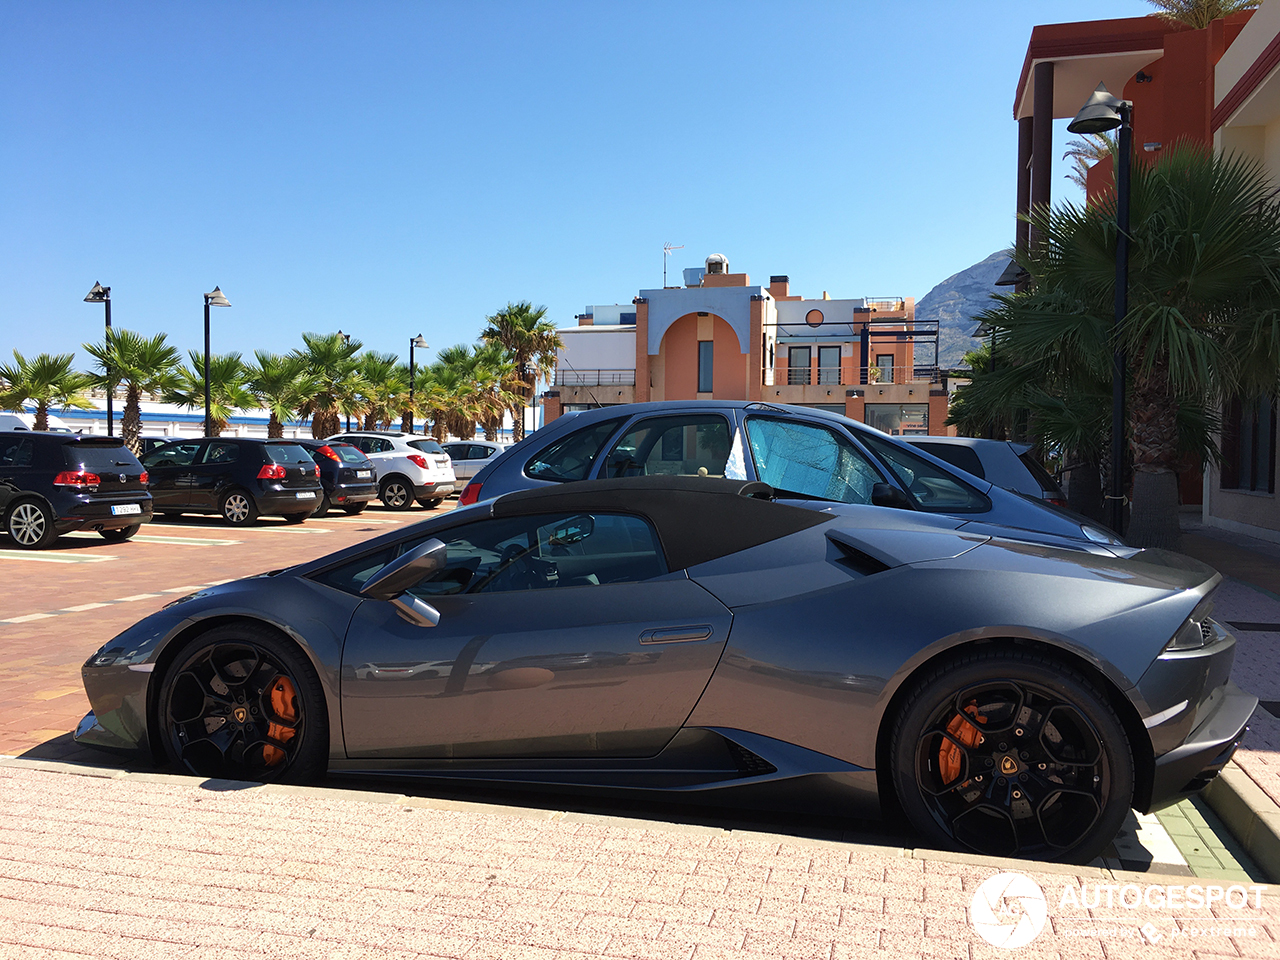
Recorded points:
(801,452)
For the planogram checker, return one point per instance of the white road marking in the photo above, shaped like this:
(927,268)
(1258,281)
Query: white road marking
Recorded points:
(29,617)
(138,596)
(180,590)
(83,606)
(45,558)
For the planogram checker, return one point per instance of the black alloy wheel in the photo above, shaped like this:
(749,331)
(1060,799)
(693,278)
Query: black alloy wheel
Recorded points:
(122,534)
(240,703)
(396,493)
(1009,753)
(238,508)
(30,524)
(351,509)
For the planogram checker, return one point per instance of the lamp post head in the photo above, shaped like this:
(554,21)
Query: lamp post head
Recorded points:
(419,341)
(98,294)
(216,299)
(1100,113)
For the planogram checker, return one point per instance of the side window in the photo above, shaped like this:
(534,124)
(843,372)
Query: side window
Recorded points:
(380,445)
(956,455)
(172,455)
(572,457)
(16,453)
(810,460)
(475,452)
(541,552)
(931,487)
(456,451)
(673,446)
(221,453)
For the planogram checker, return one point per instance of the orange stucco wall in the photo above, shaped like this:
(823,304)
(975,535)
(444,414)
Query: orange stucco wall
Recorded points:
(679,357)
(642,352)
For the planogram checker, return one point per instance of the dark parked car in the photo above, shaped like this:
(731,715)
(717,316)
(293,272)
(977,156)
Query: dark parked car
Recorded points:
(1003,462)
(53,483)
(693,636)
(797,450)
(349,478)
(236,477)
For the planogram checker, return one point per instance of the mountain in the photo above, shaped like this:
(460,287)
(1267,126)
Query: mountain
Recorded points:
(956,301)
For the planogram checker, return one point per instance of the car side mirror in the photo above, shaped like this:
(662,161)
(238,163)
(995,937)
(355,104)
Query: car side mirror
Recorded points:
(887,495)
(391,582)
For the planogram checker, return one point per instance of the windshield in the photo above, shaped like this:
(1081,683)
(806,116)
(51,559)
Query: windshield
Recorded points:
(287,453)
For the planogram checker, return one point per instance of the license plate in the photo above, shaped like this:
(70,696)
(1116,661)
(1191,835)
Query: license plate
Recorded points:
(125,509)
(305,495)
(364,474)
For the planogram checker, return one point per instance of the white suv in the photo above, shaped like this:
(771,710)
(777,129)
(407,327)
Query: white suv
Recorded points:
(410,467)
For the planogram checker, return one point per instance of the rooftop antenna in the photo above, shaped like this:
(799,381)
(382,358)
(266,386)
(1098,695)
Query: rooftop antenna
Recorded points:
(666,252)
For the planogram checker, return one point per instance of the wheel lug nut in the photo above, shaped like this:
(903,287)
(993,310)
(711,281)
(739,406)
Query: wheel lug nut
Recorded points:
(1004,746)
(990,762)
(1001,782)
(1025,755)
(1022,777)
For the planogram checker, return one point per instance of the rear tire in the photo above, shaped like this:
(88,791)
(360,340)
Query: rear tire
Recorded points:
(295,517)
(238,509)
(430,503)
(1043,769)
(396,493)
(119,536)
(30,524)
(352,509)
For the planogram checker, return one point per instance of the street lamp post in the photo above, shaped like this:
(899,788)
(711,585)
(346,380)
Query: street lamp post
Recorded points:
(101,294)
(346,339)
(214,299)
(1100,113)
(420,343)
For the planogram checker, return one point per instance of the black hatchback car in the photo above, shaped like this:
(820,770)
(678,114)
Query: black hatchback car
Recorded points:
(53,483)
(237,477)
(350,478)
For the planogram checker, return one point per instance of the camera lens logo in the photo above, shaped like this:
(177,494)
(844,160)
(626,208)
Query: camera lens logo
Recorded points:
(1008,910)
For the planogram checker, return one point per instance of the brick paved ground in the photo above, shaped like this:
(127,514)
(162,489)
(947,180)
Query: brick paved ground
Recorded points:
(148,866)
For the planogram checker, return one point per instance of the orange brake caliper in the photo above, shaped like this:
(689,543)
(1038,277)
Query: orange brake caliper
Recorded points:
(284,707)
(950,760)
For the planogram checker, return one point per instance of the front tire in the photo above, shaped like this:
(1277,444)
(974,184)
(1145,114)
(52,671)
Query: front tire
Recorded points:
(122,534)
(241,703)
(238,508)
(396,493)
(1011,753)
(30,524)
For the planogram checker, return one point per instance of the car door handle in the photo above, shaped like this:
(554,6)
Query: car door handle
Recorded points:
(676,634)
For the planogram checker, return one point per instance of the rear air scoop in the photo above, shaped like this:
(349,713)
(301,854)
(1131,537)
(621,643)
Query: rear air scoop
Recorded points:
(895,548)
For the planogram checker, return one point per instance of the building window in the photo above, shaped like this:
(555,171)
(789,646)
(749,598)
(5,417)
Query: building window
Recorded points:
(1249,446)
(706,364)
(885,362)
(798,359)
(828,364)
(899,419)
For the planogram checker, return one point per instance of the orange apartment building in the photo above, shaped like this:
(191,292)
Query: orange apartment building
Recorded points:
(719,337)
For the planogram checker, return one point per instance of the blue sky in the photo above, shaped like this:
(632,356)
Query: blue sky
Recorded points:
(395,168)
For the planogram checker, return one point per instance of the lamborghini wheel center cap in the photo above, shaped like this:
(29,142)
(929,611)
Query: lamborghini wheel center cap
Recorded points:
(1008,765)
(241,714)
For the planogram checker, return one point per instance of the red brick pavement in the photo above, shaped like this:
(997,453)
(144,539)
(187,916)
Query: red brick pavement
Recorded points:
(41,696)
(143,866)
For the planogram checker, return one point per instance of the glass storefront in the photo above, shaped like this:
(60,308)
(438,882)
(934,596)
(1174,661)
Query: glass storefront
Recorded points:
(899,419)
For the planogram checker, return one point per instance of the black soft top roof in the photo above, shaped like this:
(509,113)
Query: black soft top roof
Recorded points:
(697,518)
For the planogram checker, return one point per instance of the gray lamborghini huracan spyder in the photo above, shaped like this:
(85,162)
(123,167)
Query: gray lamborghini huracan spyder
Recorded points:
(693,636)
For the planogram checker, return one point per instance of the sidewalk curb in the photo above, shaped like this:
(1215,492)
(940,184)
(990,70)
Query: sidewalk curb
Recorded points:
(1252,817)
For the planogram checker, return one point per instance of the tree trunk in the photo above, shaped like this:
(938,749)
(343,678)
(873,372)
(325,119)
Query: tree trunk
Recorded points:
(1153,521)
(1084,491)
(275,429)
(325,423)
(406,423)
(42,416)
(131,422)
(1153,421)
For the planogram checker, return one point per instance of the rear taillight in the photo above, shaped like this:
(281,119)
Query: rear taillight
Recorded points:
(318,468)
(327,451)
(144,478)
(1057,501)
(271,471)
(470,494)
(419,460)
(77,478)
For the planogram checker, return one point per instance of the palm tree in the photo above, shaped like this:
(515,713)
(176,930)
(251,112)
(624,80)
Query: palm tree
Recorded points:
(1086,150)
(1203,323)
(330,359)
(227,388)
(530,342)
(281,385)
(48,381)
(142,364)
(1198,14)
(496,376)
(386,392)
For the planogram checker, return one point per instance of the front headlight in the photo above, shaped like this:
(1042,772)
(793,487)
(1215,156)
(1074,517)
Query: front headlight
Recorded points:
(1100,535)
(1193,634)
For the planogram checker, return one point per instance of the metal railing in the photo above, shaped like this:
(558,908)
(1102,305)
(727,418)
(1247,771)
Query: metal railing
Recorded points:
(566,377)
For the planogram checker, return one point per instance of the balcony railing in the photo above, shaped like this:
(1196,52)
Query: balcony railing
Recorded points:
(887,304)
(594,378)
(806,376)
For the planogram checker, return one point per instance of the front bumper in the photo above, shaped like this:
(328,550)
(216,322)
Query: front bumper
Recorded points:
(1190,768)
